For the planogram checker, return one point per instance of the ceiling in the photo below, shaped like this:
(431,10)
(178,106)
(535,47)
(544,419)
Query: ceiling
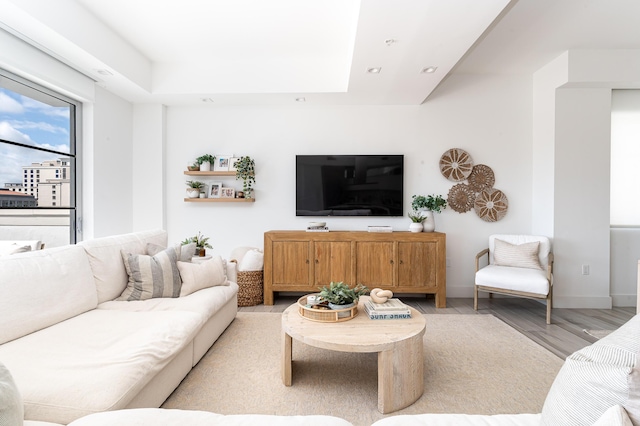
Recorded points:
(232,52)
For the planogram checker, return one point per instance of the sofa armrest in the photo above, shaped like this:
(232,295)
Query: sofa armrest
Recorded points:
(232,270)
(479,256)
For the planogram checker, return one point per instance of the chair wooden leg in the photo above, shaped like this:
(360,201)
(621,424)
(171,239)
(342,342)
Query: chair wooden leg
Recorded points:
(475,297)
(549,306)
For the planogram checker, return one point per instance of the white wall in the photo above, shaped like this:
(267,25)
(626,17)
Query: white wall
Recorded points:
(111,167)
(488,116)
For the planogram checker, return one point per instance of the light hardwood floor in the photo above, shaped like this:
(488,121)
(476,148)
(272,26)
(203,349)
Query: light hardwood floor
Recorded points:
(563,336)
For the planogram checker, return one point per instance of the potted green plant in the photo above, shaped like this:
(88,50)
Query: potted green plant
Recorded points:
(193,167)
(245,170)
(416,221)
(202,243)
(340,296)
(194,187)
(205,161)
(428,205)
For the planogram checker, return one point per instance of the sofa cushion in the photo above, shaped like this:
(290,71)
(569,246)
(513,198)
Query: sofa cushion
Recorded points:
(151,276)
(197,276)
(58,279)
(595,378)
(171,417)
(11,409)
(523,255)
(97,361)
(106,261)
(614,416)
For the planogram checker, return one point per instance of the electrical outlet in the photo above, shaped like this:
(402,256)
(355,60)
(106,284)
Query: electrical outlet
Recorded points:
(448,262)
(585,269)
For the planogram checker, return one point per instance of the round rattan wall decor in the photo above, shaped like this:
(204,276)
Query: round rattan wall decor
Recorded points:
(461,198)
(491,205)
(481,177)
(456,164)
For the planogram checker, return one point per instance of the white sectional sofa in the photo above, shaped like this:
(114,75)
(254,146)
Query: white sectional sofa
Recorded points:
(73,350)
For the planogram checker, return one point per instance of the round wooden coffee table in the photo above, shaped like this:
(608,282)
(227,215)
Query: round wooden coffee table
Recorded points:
(397,342)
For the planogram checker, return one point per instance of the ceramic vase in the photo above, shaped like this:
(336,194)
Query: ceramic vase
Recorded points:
(193,192)
(205,166)
(428,224)
(415,227)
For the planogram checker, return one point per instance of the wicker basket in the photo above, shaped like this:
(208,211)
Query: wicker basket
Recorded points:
(250,292)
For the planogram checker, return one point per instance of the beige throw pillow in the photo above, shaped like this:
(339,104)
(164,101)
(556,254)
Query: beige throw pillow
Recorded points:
(13,249)
(11,407)
(196,276)
(519,256)
(151,276)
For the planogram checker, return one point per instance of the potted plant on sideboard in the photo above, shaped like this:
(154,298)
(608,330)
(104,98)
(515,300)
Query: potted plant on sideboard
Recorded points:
(428,205)
(202,243)
(416,221)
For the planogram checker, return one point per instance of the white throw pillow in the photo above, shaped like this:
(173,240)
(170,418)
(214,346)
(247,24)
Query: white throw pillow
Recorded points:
(184,252)
(253,260)
(196,276)
(614,416)
(11,407)
(518,256)
(13,249)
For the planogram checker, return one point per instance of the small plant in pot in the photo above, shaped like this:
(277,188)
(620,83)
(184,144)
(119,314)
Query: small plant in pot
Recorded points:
(202,243)
(205,161)
(194,187)
(416,221)
(428,205)
(193,167)
(245,170)
(340,296)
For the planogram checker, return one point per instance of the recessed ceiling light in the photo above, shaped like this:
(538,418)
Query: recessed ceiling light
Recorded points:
(301,99)
(428,70)
(104,72)
(375,70)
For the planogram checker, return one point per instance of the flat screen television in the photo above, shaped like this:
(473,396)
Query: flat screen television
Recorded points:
(349,185)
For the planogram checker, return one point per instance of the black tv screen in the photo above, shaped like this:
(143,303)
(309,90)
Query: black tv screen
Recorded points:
(349,185)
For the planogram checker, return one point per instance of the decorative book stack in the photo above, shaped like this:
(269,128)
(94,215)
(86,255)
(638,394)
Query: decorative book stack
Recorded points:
(380,228)
(317,229)
(391,309)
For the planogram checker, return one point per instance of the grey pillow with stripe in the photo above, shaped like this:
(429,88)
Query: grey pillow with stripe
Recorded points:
(595,378)
(152,276)
(516,255)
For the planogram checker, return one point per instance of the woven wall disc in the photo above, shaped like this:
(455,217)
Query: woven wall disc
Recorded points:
(461,198)
(481,177)
(491,205)
(456,164)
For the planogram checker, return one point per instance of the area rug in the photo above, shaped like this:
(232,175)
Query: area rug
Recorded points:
(474,364)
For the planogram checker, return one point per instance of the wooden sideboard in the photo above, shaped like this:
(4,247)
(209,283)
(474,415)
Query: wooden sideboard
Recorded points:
(403,262)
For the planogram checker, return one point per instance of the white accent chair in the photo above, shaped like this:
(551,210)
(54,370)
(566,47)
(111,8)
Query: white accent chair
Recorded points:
(512,269)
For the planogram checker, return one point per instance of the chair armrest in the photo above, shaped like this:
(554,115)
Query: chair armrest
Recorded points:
(550,268)
(479,256)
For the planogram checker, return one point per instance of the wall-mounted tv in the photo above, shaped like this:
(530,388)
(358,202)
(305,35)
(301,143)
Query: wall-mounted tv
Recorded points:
(349,185)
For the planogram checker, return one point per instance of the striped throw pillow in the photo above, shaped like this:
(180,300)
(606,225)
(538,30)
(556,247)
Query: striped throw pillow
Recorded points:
(595,378)
(516,255)
(152,276)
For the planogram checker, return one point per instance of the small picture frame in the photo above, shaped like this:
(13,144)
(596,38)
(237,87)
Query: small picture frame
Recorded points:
(215,189)
(232,163)
(222,163)
(227,193)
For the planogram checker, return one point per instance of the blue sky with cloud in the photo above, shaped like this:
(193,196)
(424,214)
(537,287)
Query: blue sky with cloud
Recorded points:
(30,122)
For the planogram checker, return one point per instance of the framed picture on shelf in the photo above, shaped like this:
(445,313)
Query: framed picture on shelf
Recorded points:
(232,163)
(215,189)
(227,193)
(222,163)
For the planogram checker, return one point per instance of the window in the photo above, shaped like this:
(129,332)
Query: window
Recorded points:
(39,131)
